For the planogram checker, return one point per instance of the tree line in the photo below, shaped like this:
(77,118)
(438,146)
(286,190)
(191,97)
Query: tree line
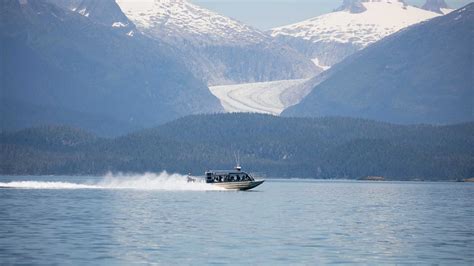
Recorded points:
(330,147)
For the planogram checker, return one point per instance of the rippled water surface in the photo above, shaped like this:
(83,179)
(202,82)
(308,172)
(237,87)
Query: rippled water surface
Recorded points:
(164,220)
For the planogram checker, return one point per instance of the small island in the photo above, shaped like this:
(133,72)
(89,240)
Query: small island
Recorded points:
(373,178)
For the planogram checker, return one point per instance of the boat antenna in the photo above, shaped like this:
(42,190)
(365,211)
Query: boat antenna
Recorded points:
(237,161)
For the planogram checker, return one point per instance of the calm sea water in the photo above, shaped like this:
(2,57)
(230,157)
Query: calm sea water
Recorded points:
(160,219)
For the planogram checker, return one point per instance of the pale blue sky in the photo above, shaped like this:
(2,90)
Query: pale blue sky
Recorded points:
(265,14)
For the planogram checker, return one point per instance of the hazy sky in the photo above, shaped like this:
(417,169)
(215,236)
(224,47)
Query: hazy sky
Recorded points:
(265,14)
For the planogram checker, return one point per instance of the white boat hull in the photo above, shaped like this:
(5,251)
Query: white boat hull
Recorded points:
(244,185)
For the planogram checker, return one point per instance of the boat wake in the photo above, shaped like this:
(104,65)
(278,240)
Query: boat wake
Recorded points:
(148,181)
(45,185)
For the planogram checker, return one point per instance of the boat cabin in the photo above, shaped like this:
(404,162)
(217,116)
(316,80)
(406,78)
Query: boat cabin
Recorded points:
(219,176)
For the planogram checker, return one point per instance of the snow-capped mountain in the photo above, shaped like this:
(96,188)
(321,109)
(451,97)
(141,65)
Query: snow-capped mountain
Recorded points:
(329,38)
(422,74)
(217,49)
(181,19)
(438,6)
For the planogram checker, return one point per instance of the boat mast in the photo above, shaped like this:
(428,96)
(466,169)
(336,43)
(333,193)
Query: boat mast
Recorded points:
(237,161)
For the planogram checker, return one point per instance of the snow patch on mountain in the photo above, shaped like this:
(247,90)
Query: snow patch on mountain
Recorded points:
(318,64)
(119,24)
(446,11)
(84,12)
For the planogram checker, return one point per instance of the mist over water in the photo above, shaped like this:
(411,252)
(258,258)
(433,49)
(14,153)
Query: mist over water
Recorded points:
(147,181)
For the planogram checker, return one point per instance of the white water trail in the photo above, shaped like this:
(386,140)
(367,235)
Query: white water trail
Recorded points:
(45,185)
(148,181)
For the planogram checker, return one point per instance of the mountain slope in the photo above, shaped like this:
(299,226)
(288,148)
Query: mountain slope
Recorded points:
(66,60)
(16,115)
(438,6)
(218,49)
(329,38)
(423,74)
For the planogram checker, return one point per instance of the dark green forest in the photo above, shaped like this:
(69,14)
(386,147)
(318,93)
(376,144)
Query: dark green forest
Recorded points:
(268,145)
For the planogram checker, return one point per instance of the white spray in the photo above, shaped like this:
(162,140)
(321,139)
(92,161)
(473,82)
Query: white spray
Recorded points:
(148,181)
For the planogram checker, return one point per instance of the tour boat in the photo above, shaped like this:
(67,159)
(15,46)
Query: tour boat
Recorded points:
(230,179)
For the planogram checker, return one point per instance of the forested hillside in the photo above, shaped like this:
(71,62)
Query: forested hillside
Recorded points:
(273,146)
